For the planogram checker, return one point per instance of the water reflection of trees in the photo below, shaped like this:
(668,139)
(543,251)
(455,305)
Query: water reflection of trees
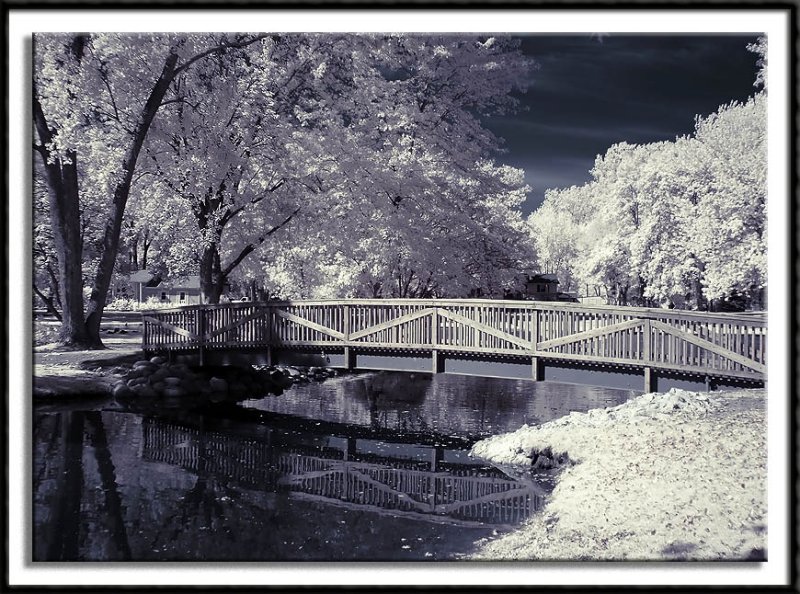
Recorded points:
(65,529)
(394,400)
(445,404)
(67,535)
(108,480)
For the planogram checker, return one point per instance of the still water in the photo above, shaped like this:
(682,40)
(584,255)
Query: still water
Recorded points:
(364,467)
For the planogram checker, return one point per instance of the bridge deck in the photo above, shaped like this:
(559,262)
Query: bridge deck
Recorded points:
(699,343)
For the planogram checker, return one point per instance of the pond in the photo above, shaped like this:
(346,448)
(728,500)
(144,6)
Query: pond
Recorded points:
(358,467)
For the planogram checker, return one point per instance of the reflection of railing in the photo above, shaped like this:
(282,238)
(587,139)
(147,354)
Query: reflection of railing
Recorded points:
(455,493)
(246,461)
(487,499)
(732,345)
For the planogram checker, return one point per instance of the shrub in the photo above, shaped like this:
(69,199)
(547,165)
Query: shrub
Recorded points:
(123,304)
(154,303)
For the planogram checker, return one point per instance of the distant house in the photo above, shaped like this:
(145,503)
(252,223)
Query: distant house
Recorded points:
(544,287)
(184,290)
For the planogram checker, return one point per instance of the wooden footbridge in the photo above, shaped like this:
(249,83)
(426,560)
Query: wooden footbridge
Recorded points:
(637,348)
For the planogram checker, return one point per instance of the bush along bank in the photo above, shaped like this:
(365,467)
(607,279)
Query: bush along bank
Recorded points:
(158,379)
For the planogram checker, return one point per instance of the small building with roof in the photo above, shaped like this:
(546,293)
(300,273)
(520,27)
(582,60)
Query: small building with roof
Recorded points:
(544,287)
(541,287)
(182,290)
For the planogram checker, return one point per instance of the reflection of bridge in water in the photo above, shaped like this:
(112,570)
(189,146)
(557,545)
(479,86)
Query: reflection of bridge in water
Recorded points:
(420,482)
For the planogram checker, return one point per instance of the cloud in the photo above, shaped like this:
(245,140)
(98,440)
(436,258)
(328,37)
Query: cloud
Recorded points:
(558,172)
(598,131)
(587,96)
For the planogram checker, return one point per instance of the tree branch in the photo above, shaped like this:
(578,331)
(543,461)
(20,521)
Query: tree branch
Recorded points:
(249,248)
(48,302)
(235,211)
(224,45)
(104,78)
(183,100)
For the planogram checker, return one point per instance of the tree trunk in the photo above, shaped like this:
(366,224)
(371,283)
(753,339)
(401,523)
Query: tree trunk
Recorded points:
(622,295)
(110,244)
(108,480)
(697,288)
(212,279)
(55,294)
(145,248)
(134,254)
(62,182)
(643,301)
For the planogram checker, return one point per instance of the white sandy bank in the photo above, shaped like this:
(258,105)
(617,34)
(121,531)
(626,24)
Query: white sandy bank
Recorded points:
(679,475)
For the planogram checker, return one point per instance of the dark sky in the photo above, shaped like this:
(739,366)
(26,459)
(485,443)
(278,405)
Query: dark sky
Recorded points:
(589,93)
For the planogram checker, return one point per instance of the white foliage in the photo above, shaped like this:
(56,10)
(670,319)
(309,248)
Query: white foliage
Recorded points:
(371,144)
(668,222)
(760,48)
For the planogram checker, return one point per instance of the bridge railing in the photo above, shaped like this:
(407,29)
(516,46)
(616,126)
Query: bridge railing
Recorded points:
(724,344)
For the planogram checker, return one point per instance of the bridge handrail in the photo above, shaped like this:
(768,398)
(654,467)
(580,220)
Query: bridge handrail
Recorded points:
(755,318)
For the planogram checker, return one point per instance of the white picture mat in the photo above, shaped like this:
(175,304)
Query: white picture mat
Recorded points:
(23,22)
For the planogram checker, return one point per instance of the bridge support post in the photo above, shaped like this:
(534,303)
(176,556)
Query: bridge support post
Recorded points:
(536,369)
(437,455)
(435,367)
(348,355)
(201,333)
(270,320)
(649,380)
(436,362)
(348,358)
(349,449)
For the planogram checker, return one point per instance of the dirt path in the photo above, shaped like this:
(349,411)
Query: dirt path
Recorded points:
(64,373)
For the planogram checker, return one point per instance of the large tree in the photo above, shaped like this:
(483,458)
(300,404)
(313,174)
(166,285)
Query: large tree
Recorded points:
(558,229)
(94,100)
(371,145)
(437,244)
(245,148)
(729,230)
